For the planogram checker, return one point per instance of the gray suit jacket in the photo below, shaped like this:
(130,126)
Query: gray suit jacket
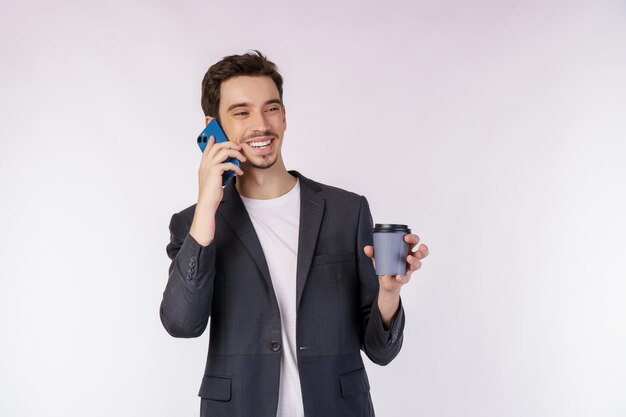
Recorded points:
(337,311)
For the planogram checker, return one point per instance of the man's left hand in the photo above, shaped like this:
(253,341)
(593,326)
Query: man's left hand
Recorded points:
(393,283)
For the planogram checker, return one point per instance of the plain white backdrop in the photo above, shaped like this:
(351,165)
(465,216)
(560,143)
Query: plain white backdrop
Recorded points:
(495,129)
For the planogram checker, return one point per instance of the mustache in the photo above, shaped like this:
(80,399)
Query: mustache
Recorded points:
(260,134)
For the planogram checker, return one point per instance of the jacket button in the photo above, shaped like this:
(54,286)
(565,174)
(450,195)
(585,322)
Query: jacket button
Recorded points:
(275,346)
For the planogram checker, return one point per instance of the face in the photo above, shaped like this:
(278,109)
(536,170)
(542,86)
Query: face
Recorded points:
(253,116)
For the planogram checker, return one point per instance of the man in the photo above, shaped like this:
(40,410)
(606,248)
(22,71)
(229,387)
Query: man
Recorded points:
(282,264)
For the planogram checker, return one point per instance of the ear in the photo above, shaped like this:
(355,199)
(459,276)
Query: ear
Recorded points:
(207,120)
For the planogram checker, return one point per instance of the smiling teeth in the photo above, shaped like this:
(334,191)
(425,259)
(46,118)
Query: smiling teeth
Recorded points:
(260,144)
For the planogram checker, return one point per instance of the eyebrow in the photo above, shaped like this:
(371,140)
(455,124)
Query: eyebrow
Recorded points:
(272,101)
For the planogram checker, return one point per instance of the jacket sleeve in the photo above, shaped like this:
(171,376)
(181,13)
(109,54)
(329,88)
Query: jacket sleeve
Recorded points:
(188,295)
(380,345)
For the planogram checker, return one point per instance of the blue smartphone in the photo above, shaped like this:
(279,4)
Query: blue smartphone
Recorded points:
(214,129)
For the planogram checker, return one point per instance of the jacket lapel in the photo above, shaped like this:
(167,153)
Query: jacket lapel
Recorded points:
(236,215)
(311,213)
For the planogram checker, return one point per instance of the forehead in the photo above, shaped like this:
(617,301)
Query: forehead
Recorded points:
(247,89)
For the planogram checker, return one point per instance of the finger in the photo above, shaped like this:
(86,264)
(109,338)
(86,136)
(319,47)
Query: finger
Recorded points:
(423,251)
(414,262)
(403,279)
(411,238)
(208,146)
(216,147)
(420,253)
(229,166)
(223,154)
(395,279)
(369,251)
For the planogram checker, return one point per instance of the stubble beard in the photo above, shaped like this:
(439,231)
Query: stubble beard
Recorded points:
(264,165)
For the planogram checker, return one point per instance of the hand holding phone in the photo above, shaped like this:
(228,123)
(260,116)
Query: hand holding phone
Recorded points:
(215,162)
(214,129)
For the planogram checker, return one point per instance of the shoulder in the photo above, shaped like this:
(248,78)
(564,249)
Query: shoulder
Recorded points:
(330,192)
(185,216)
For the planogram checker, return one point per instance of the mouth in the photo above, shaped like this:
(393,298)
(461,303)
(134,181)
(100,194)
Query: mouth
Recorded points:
(261,145)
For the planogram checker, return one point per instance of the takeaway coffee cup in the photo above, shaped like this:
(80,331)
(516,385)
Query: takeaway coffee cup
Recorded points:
(390,249)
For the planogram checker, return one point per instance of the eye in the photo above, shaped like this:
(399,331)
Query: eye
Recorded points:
(274,109)
(242,113)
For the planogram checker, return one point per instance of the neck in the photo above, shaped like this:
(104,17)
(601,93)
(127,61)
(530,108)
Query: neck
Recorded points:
(264,184)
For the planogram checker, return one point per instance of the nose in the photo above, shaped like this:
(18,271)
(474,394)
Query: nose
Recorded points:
(259,122)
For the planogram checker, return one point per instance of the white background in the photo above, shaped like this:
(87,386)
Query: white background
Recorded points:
(495,129)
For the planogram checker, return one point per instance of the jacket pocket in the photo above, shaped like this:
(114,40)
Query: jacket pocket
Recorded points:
(354,383)
(329,258)
(215,388)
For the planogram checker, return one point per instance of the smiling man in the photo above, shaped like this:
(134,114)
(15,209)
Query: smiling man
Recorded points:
(282,264)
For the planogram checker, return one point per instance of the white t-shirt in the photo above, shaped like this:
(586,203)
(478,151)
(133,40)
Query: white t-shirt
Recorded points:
(276,222)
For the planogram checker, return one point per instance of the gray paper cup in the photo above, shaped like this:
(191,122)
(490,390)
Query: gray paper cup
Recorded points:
(390,249)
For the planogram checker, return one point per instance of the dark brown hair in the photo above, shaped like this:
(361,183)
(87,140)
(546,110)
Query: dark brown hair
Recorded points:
(252,64)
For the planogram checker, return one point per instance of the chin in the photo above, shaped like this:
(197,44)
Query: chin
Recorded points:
(264,164)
